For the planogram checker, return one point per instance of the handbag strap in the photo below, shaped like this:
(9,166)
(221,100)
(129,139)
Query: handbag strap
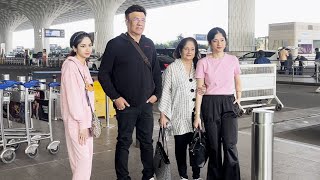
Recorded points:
(163,138)
(197,132)
(87,96)
(144,57)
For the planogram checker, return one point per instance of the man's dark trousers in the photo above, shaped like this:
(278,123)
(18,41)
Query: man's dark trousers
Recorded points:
(140,117)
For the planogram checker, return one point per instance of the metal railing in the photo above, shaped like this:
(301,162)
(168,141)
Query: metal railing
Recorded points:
(13,60)
(309,69)
(51,61)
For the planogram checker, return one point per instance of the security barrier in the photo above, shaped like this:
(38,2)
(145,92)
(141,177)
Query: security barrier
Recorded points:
(317,64)
(259,84)
(100,102)
(14,60)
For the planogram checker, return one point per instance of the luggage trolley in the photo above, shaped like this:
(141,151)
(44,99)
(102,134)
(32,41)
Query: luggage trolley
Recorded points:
(32,148)
(258,85)
(27,134)
(15,136)
(7,154)
(53,146)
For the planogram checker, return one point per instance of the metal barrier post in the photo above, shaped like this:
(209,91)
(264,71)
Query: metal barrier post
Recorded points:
(107,113)
(292,71)
(262,144)
(317,72)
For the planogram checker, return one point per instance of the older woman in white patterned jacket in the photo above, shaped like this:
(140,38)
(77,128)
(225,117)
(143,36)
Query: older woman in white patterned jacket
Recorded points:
(178,101)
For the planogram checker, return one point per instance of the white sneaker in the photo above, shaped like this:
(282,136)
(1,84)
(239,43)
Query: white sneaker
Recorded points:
(198,179)
(182,178)
(151,179)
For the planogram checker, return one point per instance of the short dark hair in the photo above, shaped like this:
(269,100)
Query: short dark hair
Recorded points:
(261,53)
(135,8)
(316,49)
(182,43)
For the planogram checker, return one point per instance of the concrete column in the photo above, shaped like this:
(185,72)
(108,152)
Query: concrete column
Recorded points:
(10,19)
(241,25)
(8,41)
(104,12)
(41,14)
(1,36)
(40,42)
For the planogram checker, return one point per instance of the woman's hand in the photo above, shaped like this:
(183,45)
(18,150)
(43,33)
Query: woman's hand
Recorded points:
(202,90)
(83,136)
(236,101)
(197,121)
(163,121)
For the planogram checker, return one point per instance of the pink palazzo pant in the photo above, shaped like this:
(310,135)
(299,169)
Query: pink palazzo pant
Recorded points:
(80,156)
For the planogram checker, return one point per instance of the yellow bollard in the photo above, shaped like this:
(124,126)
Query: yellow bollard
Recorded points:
(100,102)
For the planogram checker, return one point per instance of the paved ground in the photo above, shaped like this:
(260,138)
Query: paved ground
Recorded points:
(296,150)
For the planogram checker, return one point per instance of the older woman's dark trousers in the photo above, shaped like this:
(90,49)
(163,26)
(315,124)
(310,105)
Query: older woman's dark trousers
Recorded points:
(221,125)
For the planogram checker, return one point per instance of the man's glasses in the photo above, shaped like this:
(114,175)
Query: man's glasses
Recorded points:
(136,20)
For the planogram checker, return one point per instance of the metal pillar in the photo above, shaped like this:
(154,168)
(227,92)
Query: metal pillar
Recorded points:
(107,113)
(262,144)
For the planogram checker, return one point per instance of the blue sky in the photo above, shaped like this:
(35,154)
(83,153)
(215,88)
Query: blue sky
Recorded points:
(164,24)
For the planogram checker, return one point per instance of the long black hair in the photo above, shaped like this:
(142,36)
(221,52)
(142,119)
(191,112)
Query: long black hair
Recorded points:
(76,39)
(182,43)
(212,33)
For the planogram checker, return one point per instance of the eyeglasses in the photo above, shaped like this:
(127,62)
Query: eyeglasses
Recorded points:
(136,20)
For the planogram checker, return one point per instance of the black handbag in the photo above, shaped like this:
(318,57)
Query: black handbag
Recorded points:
(238,110)
(161,162)
(198,150)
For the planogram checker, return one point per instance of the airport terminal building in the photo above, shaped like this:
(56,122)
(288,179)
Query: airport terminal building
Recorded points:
(305,37)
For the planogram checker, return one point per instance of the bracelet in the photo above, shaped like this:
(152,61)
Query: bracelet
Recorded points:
(196,113)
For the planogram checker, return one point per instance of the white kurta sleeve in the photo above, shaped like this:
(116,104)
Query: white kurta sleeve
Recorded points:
(165,104)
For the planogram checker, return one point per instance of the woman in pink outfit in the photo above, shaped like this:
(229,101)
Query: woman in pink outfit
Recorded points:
(76,112)
(220,72)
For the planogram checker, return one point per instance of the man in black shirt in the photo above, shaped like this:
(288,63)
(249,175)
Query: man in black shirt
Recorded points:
(317,58)
(299,70)
(134,84)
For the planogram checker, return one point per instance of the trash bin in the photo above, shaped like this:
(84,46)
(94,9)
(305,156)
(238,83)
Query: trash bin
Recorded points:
(262,144)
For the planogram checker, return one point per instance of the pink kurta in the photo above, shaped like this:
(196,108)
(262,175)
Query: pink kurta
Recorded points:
(76,115)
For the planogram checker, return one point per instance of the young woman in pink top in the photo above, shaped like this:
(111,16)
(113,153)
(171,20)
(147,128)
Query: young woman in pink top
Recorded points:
(76,112)
(220,73)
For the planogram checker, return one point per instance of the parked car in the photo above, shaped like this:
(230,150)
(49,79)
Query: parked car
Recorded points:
(164,61)
(94,63)
(249,58)
(166,52)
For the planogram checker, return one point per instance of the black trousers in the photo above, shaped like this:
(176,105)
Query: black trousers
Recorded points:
(140,117)
(221,125)
(282,67)
(181,144)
